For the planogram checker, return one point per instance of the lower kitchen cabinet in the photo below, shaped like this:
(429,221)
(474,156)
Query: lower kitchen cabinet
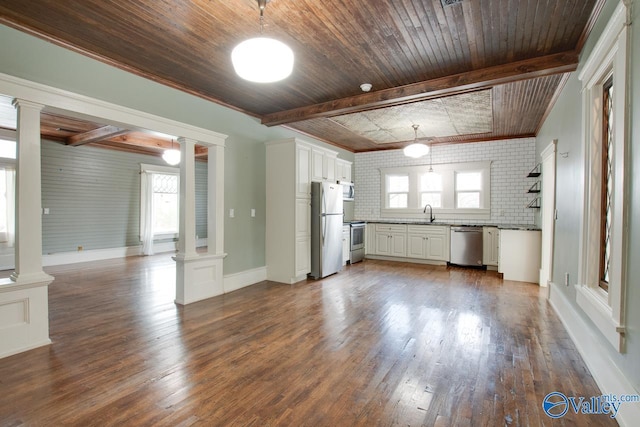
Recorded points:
(490,246)
(390,240)
(428,242)
(346,244)
(520,255)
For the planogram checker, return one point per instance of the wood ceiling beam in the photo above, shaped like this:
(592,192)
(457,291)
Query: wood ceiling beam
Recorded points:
(147,141)
(436,88)
(95,135)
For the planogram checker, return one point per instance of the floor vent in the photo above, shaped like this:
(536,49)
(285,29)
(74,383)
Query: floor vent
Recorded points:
(449,2)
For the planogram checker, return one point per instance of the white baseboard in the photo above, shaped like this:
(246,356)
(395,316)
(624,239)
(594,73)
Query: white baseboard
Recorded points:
(606,374)
(73,257)
(235,281)
(402,259)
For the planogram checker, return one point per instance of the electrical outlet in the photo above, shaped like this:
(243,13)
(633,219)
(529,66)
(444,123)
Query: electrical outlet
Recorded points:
(566,279)
(253,213)
(232,213)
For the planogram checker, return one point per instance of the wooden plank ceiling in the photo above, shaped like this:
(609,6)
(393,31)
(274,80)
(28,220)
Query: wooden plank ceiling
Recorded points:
(411,51)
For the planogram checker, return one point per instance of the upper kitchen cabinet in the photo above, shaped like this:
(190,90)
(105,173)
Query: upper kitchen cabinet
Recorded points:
(343,170)
(323,164)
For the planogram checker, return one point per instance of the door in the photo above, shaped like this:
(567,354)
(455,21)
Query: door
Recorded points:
(548,206)
(331,258)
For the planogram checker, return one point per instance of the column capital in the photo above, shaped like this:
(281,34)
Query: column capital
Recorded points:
(23,103)
(182,140)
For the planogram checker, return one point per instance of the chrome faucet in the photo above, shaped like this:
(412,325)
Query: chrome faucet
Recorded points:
(431,217)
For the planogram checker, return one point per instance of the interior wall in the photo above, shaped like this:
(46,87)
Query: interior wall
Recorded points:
(511,161)
(31,58)
(565,124)
(93,197)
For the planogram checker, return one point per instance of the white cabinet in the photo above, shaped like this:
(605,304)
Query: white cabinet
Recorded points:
(343,170)
(346,244)
(428,242)
(288,199)
(323,164)
(390,240)
(303,170)
(520,255)
(490,246)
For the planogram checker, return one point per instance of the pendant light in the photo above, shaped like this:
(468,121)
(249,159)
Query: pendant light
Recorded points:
(262,59)
(416,149)
(171,156)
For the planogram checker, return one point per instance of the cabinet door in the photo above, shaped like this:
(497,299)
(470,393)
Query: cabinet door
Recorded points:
(317,165)
(370,240)
(346,244)
(416,246)
(383,243)
(329,168)
(490,242)
(303,171)
(303,218)
(399,244)
(303,256)
(436,247)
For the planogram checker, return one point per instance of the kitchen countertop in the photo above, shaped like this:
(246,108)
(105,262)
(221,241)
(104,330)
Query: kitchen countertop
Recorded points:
(525,227)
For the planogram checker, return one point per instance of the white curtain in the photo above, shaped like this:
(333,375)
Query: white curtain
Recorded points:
(146,213)
(10,175)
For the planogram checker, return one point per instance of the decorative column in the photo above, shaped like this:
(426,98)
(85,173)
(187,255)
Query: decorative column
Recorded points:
(187,220)
(24,304)
(215,198)
(198,276)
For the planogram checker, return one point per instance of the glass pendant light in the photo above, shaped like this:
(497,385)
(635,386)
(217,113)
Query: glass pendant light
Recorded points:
(171,156)
(262,59)
(416,149)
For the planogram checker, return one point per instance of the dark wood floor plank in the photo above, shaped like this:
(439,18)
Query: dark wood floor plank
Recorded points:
(380,343)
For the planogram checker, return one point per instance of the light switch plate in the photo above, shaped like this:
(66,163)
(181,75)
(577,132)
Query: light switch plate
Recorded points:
(232,213)
(253,213)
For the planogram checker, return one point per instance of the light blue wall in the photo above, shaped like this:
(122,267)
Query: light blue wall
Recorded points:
(564,124)
(30,58)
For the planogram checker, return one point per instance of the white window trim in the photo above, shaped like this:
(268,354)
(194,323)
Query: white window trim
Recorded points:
(609,56)
(414,211)
(165,170)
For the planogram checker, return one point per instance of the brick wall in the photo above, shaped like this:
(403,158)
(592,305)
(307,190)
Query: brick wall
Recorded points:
(511,161)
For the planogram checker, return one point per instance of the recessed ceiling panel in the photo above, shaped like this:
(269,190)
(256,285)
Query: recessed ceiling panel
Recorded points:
(469,113)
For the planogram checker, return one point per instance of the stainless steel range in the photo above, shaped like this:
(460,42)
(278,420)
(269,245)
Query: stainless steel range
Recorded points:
(357,241)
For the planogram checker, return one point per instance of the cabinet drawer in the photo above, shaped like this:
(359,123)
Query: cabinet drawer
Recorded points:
(392,228)
(427,229)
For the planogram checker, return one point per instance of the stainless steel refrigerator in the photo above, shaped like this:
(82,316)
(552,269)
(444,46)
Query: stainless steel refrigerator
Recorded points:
(326,229)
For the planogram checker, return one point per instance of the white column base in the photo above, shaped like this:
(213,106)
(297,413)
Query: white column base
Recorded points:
(198,277)
(24,314)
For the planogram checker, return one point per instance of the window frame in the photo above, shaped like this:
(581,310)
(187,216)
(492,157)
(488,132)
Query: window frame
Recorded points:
(448,193)
(609,57)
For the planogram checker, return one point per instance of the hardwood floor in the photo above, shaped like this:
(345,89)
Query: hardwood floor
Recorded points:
(377,344)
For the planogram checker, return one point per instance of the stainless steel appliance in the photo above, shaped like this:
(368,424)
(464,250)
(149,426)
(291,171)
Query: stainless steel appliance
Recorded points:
(348,190)
(466,246)
(357,241)
(326,229)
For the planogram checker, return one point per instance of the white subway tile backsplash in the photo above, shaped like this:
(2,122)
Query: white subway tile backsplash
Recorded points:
(511,162)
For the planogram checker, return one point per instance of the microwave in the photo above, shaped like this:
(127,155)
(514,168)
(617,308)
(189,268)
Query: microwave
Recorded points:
(348,190)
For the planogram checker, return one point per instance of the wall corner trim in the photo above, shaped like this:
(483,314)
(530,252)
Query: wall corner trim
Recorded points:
(604,370)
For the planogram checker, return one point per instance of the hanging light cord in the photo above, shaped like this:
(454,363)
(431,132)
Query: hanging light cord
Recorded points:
(430,156)
(262,4)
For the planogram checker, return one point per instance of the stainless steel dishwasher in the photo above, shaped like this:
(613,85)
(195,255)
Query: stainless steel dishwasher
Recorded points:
(466,246)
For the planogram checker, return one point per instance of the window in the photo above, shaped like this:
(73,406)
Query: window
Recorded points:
(601,287)
(456,191)
(607,183)
(468,189)
(165,204)
(431,189)
(398,191)
(7,192)
(159,204)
